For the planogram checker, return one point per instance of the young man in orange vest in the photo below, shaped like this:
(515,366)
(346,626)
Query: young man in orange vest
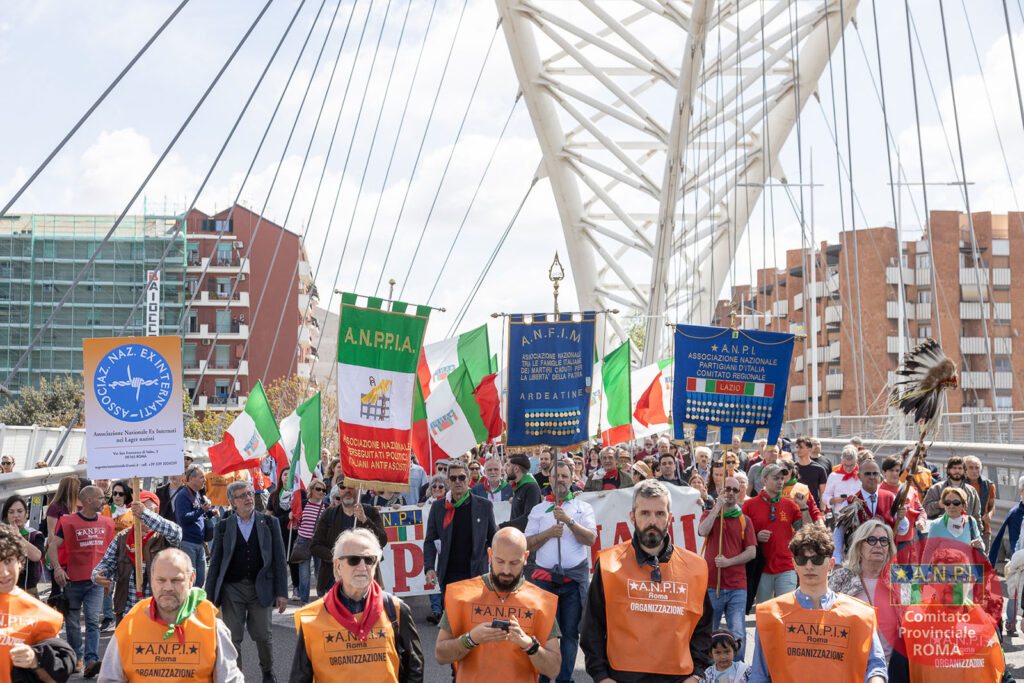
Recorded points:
(647,616)
(173,635)
(30,640)
(356,631)
(85,535)
(492,624)
(814,629)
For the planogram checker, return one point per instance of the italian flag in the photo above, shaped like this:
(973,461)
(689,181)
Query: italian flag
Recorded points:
(470,349)
(613,399)
(654,400)
(378,353)
(250,437)
(427,452)
(300,437)
(453,414)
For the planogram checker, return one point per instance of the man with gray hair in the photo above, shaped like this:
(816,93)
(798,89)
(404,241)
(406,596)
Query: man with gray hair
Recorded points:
(248,573)
(357,631)
(609,475)
(647,586)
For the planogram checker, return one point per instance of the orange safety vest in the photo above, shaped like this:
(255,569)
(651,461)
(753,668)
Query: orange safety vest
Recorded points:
(23,620)
(636,608)
(147,656)
(217,487)
(337,654)
(833,643)
(468,603)
(932,659)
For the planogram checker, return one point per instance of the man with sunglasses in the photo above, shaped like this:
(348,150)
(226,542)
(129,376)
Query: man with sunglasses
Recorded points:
(647,616)
(248,573)
(6,464)
(873,502)
(357,631)
(776,518)
(492,486)
(813,629)
(464,525)
(731,543)
(346,513)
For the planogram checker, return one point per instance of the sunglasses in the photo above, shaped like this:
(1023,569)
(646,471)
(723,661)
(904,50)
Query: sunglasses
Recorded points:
(244,494)
(816,560)
(870,474)
(437,486)
(117,493)
(354,560)
(876,540)
(6,463)
(731,489)
(319,489)
(336,499)
(456,477)
(956,503)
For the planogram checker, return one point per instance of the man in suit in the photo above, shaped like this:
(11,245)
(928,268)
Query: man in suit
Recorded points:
(248,573)
(461,522)
(877,504)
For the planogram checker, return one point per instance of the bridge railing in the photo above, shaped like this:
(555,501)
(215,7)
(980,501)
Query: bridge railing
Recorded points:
(1004,427)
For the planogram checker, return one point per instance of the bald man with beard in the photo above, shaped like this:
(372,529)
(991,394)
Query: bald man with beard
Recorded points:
(498,624)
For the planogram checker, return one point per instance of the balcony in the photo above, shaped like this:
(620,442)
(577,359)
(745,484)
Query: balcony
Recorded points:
(833,383)
(1001,278)
(208,298)
(1002,311)
(969,277)
(303,370)
(798,363)
(233,332)
(798,392)
(923,277)
(833,315)
(972,310)
(305,273)
(305,337)
(832,283)
(892,344)
(227,367)
(304,306)
(780,309)
(815,290)
(832,352)
(972,379)
(219,266)
(892,310)
(892,275)
(219,402)
(924,311)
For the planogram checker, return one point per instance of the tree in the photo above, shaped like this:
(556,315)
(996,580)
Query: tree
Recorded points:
(637,333)
(53,404)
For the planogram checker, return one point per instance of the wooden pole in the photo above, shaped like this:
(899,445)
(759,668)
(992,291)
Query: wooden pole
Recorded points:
(137,527)
(721,535)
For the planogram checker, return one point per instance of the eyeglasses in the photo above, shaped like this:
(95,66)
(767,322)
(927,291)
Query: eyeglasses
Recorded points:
(117,493)
(456,477)
(244,494)
(816,560)
(354,560)
(870,474)
(731,489)
(6,463)
(876,540)
(437,486)
(319,489)
(336,499)
(956,503)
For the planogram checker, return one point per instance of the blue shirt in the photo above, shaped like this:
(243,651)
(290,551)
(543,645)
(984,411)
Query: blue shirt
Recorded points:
(244,527)
(876,659)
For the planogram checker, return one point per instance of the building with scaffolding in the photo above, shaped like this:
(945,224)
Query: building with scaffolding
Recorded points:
(860,314)
(40,256)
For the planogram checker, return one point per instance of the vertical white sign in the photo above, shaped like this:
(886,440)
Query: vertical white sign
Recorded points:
(152,303)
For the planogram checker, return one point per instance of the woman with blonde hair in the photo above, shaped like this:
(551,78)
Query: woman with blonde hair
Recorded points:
(955,524)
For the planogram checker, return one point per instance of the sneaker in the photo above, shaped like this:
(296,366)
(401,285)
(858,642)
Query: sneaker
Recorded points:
(78,666)
(91,669)
(107,624)
(434,618)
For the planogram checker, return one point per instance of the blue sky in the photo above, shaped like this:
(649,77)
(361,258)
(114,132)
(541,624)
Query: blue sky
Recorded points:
(55,57)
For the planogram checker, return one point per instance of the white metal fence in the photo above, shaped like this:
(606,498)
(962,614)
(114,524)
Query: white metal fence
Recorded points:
(1003,427)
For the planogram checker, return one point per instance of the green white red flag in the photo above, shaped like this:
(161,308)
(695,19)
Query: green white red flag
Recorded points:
(300,437)
(470,349)
(453,415)
(378,353)
(613,398)
(250,437)
(652,398)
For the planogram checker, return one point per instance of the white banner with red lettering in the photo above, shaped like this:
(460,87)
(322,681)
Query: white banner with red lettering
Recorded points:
(402,568)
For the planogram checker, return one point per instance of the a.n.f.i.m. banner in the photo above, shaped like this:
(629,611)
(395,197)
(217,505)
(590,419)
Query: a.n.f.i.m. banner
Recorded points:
(550,363)
(731,379)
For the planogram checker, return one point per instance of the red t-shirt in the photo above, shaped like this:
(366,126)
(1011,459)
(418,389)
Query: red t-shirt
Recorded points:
(778,559)
(739,535)
(914,509)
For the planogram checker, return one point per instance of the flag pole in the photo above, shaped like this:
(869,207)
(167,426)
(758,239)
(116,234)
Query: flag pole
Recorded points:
(721,535)
(137,524)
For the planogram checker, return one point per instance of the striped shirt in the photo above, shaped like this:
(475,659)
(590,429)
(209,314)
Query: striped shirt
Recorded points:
(310,515)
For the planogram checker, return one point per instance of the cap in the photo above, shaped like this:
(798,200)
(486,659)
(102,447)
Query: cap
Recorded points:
(521,460)
(148,495)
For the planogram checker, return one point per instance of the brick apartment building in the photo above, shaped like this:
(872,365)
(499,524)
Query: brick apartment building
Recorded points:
(228,345)
(954,287)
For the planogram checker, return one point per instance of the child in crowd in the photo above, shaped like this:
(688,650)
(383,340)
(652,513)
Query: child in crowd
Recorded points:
(724,670)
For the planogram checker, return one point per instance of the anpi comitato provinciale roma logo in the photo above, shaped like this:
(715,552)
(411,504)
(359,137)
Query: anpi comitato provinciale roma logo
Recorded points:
(133,382)
(939,603)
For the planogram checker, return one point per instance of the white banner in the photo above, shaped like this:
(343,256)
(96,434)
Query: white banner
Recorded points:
(403,570)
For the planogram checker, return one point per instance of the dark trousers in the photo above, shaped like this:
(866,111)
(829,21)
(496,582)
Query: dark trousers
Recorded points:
(242,611)
(570,610)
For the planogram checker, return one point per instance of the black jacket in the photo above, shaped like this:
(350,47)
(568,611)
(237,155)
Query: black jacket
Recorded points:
(328,528)
(55,658)
(272,579)
(594,633)
(524,499)
(163,493)
(484,528)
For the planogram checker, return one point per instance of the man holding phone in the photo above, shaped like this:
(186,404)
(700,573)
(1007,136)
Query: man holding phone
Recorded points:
(498,624)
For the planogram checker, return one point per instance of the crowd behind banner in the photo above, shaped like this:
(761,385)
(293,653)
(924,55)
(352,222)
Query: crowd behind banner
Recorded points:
(767,521)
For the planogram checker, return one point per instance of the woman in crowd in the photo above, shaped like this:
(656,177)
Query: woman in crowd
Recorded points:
(697,483)
(717,479)
(732,464)
(120,507)
(954,524)
(436,489)
(15,514)
(593,459)
(65,501)
(579,471)
(640,471)
(311,511)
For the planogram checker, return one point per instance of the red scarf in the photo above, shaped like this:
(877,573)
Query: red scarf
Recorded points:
(611,480)
(449,508)
(847,476)
(179,630)
(361,628)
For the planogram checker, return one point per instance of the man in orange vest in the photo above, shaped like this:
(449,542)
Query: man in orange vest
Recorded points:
(30,628)
(645,589)
(814,629)
(357,631)
(173,635)
(493,624)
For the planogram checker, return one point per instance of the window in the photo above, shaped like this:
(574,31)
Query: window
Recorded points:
(223,321)
(924,261)
(193,321)
(924,330)
(221,388)
(924,296)
(221,358)
(223,254)
(1002,364)
(1004,402)
(190,387)
(192,253)
(218,225)
(188,356)
(1000,247)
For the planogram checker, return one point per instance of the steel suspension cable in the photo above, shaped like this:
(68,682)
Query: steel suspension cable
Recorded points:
(99,100)
(106,238)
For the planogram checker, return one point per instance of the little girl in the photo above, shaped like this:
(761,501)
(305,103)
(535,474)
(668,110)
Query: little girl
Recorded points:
(724,670)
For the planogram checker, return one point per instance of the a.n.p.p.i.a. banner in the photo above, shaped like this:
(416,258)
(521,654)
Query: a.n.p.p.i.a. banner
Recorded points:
(730,379)
(378,351)
(550,363)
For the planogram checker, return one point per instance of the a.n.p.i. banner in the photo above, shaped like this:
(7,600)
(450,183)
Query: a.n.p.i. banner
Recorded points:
(378,352)
(550,363)
(731,379)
